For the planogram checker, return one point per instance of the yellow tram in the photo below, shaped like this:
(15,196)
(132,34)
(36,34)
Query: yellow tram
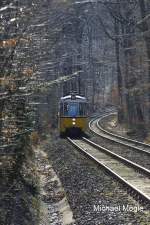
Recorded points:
(72,115)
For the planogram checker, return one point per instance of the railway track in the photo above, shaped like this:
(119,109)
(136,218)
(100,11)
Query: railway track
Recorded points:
(130,141)
(97,129)
(134,177)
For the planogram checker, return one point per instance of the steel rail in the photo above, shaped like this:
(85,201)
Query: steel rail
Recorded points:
(133,189)
(116,136)
(119,136)
(124,160)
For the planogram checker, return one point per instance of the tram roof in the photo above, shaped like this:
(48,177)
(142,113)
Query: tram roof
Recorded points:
(69,97)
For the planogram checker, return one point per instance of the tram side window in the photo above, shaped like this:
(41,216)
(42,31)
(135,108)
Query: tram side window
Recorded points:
(61,109)
(65,109)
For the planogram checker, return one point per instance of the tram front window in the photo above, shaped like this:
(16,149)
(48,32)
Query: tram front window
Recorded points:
(82,109)
(73,109)
(70,109)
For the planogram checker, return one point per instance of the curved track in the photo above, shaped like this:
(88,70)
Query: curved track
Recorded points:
(131,175)
(96,128)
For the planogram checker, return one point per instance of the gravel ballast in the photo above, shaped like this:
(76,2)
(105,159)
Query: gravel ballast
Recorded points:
(94,197)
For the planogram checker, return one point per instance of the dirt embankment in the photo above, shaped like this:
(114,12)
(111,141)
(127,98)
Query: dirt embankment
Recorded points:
(30,191)
(54,207)
(18,189)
